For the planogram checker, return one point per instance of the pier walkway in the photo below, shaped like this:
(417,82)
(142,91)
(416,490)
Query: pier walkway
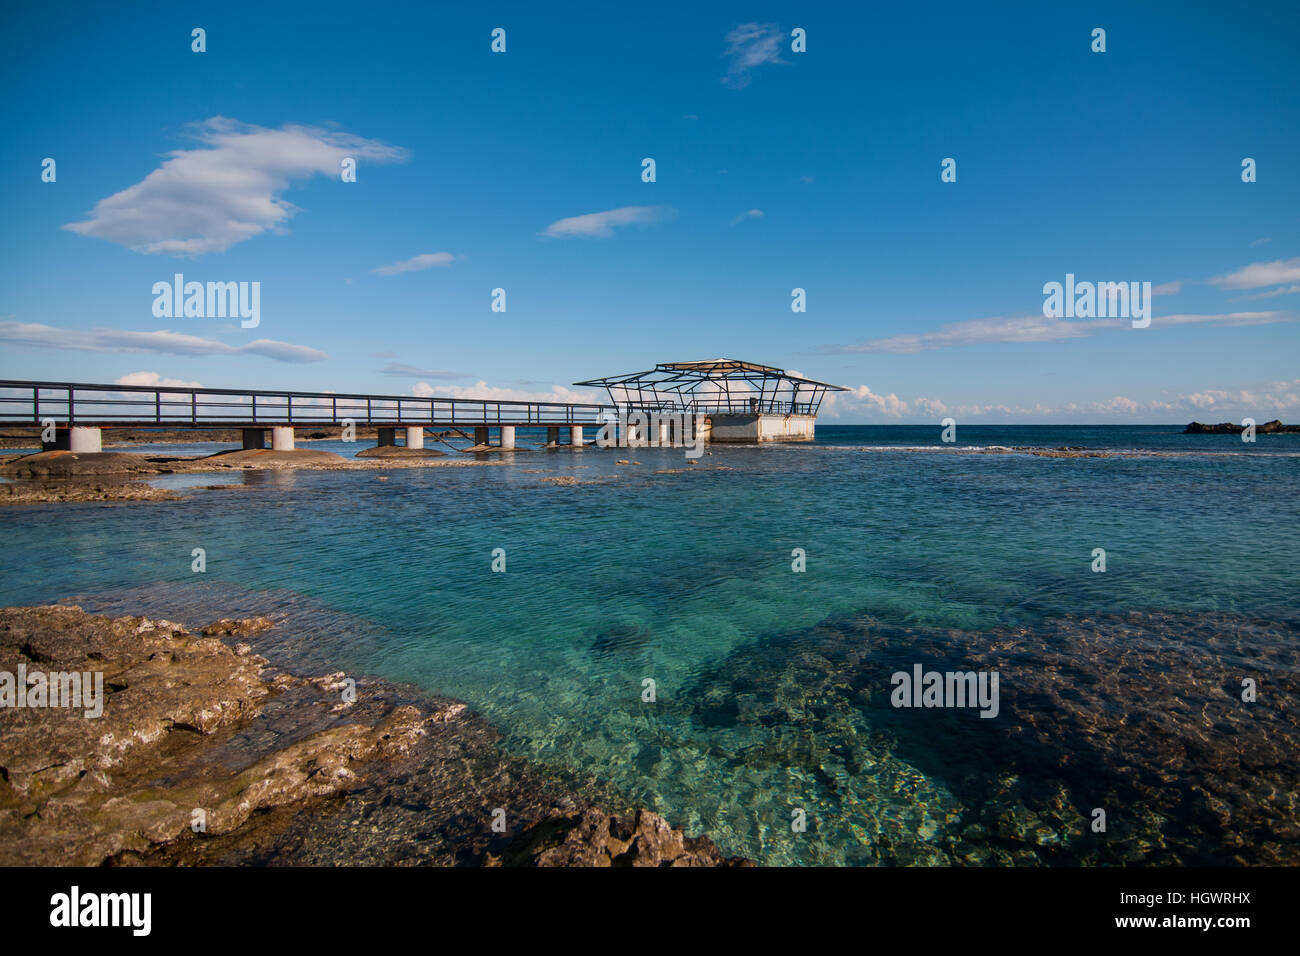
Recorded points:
(77,412)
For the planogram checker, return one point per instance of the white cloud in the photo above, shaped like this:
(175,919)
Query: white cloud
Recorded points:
(34,335)
(208,199)
(1259,274)
(600,225)
(751,214)
(154,379)
(416,263)
(749,46)
(1168,288)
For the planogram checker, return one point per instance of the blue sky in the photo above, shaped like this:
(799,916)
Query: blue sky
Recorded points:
(775,170)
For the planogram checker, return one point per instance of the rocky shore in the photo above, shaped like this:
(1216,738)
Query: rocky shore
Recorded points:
(205,753)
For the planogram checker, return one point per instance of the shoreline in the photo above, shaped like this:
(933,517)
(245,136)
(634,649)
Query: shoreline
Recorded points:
(207,753)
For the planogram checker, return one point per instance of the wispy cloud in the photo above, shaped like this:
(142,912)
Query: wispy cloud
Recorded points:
(751,214)
(601,225)
(749,46)
(1285,290)
(208,199)
(1038,328)
(1168,288)
(1024,328)
(1259,274)
(35,335)
(416,263)
(1260,242)
(399,370)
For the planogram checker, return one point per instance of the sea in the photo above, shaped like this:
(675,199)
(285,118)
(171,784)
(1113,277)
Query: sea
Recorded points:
(721,639)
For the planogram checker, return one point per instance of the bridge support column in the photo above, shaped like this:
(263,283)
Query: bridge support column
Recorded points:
(254,438)
(552,435)
(387,437)
(415,437)
(664,436)
(480,435)
(80,438)
(282,438)
(507,436)
(575,436)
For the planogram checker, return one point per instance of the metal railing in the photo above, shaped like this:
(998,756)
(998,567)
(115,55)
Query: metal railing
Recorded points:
(124,406)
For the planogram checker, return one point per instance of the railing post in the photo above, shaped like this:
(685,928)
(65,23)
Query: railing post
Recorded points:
(36,405)
(255,408)
(289,408)
(334,410)
(194,407)
(367,410)
(72,405)
(157,407)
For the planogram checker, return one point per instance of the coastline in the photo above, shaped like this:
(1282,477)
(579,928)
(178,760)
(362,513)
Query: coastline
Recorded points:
(207,753)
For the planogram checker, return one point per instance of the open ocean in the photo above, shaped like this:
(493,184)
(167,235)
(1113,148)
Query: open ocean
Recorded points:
(1120,691)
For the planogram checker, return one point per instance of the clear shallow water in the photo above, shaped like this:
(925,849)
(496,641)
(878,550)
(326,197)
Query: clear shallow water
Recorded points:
(770,683)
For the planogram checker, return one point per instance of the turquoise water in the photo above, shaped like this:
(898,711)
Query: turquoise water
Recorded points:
(772,686)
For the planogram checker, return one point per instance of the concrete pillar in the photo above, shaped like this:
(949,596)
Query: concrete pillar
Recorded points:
(254,438)
(387,437)
(507,436)
(282,438)
(480,435)
(84,440)
(575,436)
(553,435)
(665,440)
(632,436)
(415,437)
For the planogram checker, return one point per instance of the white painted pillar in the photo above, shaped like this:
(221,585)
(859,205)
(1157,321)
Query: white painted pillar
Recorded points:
(507,436)
(84,440)
(415,437)
(575,436)
(282,438)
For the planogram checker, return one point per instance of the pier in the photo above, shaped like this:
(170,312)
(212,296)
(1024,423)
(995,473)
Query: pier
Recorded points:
(732,401)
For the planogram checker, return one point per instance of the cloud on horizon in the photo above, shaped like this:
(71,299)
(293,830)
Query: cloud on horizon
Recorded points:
(227,191)
(35,335)
(601,225)
(155,380)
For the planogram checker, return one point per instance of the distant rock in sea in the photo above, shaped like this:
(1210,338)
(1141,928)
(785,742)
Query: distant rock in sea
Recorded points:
(1275,427)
